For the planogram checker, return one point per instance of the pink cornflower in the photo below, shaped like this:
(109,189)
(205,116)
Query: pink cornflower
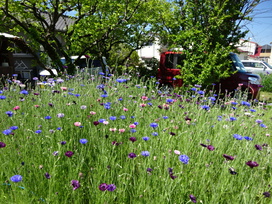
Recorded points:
(177,152)
(16,108)
(125,109)
(63,88)
(143,105)
(113,129)
(122,130)
(144,98)
(77,124)
(105,122)
(92,112)
(36,106)
(132,126)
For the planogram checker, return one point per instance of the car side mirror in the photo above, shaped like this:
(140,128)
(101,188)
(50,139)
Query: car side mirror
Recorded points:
(264,67)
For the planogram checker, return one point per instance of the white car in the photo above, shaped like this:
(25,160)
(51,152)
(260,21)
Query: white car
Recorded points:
(257,67)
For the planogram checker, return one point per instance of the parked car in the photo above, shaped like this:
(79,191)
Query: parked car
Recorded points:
(240,78)
(257,67)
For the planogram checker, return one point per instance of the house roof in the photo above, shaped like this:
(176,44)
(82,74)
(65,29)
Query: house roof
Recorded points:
(63,22)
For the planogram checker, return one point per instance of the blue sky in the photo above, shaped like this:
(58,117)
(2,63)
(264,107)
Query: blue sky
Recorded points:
(260,28)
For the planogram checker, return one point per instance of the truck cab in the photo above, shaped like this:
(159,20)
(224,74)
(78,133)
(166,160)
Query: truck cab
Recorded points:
(171,62)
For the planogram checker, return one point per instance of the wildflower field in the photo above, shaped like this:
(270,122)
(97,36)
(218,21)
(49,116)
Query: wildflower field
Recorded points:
(95,139)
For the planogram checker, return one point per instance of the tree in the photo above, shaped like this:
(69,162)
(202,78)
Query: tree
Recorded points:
(207,31)
(88,26)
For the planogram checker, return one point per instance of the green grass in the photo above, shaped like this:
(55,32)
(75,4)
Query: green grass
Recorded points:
(185,120)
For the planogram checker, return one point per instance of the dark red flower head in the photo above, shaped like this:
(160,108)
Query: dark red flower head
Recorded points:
(252,164)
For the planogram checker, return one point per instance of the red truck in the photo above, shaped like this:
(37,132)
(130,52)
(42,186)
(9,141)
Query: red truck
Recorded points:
(240,78)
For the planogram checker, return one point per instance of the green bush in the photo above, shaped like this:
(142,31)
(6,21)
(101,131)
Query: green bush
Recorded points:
(266,82)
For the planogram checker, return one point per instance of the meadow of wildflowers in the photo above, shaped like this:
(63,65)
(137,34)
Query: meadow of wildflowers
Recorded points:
(96,139)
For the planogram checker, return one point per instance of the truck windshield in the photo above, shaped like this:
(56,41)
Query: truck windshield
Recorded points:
(268,65)
(237,63)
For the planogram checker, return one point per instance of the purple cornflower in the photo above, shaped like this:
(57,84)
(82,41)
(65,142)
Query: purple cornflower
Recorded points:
(111,187)
(266,194)
(228,157)
(184,159)
(69,153)
(133,139)
(63,142)
(210,147)
(47,175)
(149,169)
(132,155)
(2,144)
(103,186)
(252,164)
(75,184)
(193,198)
(258,147)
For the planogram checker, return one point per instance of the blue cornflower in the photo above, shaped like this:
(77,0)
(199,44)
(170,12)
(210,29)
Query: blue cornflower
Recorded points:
(38,131)
(234,103)
(13,127)
(247,138)
(25,92)
(212,98)
(205,107)
(47,117)
(112,118)
(132,130)
(154,125)
(121,80)
(1,91)
(238,137)
(132,116)
(101,120)
(145,153)
(155,134)
(122,117)
(77,95)
(184,159)
(58,128)
(2,97)
(83,141)
(70,93)
(16,178)
(165,117)
(169,100)
(145,138)
(232,119)
(136,123)
(103,95)
(245,103)
(107,106)
(263,125)
(252,110)
(101,73)
(150,104)
(120,99)
(101,86)
(201,92)
(9,113)
(7,132)
(193,89)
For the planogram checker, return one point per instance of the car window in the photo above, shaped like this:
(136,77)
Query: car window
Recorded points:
(172,60)
(258,65)
(268,65)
